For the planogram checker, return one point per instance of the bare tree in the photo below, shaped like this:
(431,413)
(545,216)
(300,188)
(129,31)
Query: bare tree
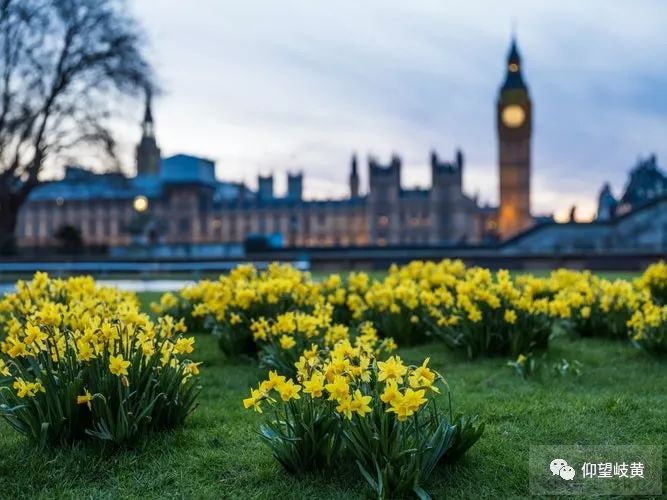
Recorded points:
(63,63)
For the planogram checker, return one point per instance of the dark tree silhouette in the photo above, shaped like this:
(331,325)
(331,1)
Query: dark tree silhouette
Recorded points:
(63,65)
(70,239)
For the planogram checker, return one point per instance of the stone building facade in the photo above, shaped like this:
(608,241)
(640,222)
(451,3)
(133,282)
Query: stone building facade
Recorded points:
(184,203)
(179,200)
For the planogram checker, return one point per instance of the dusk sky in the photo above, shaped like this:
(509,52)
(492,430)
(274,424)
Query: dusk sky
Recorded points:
(274,86)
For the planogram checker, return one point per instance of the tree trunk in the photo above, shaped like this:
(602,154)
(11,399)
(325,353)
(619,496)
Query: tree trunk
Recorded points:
(8,218)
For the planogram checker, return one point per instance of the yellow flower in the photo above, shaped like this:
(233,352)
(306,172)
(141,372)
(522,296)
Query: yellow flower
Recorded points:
(360,403)
(27,389)
(521,360)
(259,328)
(475,315)
(192,368)
(407,404)
(256,396)
(147,348)
(393,368)
(391,392)
(109,332)
(50,314)
(390,345)
(314,386)
(166,352)
(338,389)
(16,348)
(117,365)
(423,377)
(363,371)
(4,369)
(235,319)
(34,335)
(85,351)
(287,342)
(273,381)
(414,399)
(345,407)
(85,399)
(288,390)
(510,316)
(184,345)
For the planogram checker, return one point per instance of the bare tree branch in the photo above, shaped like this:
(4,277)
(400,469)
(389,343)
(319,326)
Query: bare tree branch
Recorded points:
(61,63)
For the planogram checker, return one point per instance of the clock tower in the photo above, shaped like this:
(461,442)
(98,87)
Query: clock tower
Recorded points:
(515,122)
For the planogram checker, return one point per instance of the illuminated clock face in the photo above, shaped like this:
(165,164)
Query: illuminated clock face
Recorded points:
(513,116)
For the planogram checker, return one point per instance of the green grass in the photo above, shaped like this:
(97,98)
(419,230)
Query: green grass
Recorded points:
(619,399)
(146,298)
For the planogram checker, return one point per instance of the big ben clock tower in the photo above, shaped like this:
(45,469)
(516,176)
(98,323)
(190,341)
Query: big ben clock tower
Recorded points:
(514,119)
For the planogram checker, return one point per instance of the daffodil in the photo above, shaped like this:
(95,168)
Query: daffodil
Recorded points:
(27,389)
(338,389)
(314,386)
(360,403)
(422,376)
(184,345)
(287,342)
(4,369)
(345,407)
(256,396)
(393,368)
(85,399)
(118,365)
(288,390)
(391,392)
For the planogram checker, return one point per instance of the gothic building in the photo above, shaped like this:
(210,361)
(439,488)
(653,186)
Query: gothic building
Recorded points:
(646,183)
(179,200)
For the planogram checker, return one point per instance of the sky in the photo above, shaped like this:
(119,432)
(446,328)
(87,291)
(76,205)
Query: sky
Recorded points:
(265,86)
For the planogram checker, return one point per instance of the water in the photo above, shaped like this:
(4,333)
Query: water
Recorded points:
(130,285)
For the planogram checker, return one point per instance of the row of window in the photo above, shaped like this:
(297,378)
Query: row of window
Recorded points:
(182,228)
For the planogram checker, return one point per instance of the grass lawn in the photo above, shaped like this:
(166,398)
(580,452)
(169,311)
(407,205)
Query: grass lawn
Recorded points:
(619,399)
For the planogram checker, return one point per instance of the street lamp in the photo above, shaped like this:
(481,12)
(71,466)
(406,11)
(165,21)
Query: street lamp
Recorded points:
(140,204)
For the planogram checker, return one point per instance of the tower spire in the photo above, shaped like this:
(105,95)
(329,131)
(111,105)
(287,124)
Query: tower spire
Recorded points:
(148,125)
(354,177)
(514,77)
(148,152)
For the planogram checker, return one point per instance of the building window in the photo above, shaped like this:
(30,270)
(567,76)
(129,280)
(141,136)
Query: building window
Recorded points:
(383,221)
